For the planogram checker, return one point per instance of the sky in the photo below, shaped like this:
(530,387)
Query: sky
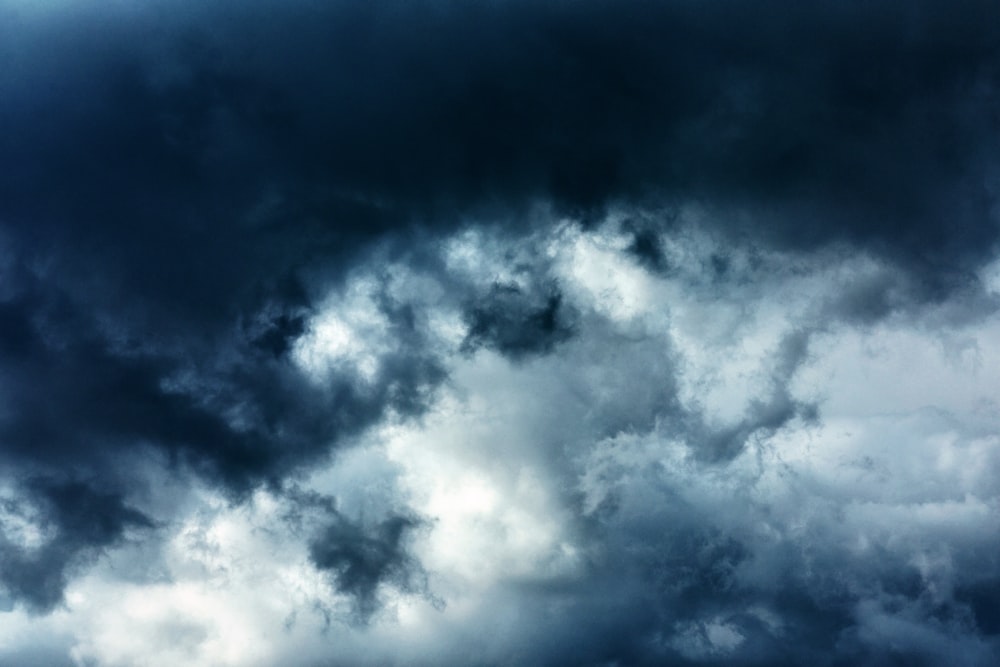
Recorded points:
(499,332)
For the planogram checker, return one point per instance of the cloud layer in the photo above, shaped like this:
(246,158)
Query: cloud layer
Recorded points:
(499,333)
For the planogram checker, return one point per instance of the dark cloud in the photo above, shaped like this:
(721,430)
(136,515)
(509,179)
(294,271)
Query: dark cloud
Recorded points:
(363,558)
(646,246)
(867,123)
(182,185)
(693,585)
(979,596)
(78,523)
(171,180)
(80,398)
(647,243)
(281,319)
(518,322)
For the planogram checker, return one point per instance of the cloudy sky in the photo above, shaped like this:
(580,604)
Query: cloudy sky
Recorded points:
(499,332)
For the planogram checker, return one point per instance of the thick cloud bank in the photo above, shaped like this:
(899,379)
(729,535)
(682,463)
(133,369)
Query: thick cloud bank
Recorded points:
(499,333)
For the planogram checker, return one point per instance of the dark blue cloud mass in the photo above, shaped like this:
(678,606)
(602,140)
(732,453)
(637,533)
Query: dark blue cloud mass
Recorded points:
(502,333)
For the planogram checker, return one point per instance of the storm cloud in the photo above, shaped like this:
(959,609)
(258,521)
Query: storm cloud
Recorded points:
(507,333)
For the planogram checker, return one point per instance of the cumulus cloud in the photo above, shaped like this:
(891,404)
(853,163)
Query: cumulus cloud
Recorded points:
(499,333)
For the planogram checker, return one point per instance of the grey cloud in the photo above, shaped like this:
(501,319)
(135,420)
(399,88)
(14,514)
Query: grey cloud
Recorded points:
(234,410)
(204,168)
(764,415)
(80,394)
(362,558)
(866,124)
(182,184)
(824,606)
(83,522)
(647,241)
(52,655)
(516,322)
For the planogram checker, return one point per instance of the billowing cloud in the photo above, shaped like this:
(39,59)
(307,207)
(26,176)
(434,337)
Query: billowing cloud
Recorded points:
(59,525)
(499,333)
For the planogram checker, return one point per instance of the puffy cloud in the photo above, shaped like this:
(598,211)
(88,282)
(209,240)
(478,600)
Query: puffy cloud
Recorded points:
(501,333)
